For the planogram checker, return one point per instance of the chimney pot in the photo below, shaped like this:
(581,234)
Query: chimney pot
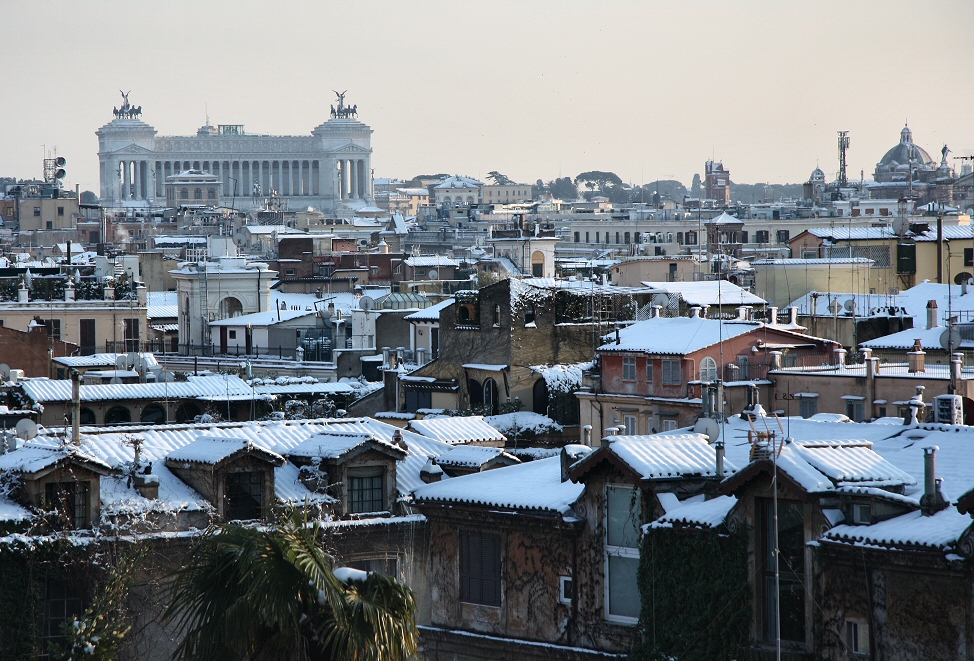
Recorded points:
(932,316)
(773,315)
(932,500)
(793,315)
(719,451)
(587,435)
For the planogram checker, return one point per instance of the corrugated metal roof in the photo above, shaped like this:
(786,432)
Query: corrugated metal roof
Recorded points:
(212,387)
(214,449)
(472,456)
(535,485)
(669,457)
(466,429)
(846,462)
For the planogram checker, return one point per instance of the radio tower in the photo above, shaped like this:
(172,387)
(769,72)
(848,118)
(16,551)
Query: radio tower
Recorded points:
(843,145)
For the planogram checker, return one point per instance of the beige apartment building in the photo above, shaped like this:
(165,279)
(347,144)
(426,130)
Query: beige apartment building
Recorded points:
(95,326)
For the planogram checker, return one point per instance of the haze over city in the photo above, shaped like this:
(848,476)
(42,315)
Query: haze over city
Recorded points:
(536,90)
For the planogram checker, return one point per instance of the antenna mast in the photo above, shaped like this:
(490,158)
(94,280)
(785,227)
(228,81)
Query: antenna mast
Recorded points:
(843,146)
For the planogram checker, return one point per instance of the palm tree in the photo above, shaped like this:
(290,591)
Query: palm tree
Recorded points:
(269,594)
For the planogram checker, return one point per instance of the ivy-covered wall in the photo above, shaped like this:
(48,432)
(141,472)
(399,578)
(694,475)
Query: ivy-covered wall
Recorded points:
(696,600)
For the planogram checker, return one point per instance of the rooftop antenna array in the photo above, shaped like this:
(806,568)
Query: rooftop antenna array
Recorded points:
(843,146)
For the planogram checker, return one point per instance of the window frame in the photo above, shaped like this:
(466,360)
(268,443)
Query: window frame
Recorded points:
(628,368)
(710,365)
(365,490)
(230,509)
(671,372)
(615,551)
(486,581)
(631,424)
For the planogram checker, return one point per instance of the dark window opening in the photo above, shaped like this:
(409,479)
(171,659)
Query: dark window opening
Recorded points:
(70,501)
(62,604)
(244,495)
(790,597)
(366,494)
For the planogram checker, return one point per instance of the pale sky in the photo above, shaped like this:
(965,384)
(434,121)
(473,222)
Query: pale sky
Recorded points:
(646,88)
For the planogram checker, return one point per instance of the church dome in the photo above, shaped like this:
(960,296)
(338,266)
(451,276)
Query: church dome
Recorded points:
(906,152)
(817,175)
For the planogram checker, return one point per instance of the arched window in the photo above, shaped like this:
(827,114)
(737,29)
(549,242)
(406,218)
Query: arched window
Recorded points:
(118,415)
(537,264)
(230,307)
(198,194)
(490,396)
(447,200)
(211,194)
(88,417)
(153,414)
(708,370)
(184,194)
(469,199)
(539,395)
(187,411)
(476,392)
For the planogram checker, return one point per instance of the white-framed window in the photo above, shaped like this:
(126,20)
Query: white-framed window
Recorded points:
(857,637)
(855,409)
(669,424)
(862,514)
(566,589)
(622,518)
(628,368)
(649,370)
(671,372)
(631,423)
(708,370)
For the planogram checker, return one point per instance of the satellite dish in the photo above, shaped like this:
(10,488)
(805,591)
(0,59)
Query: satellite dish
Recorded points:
(962,278)
(707,427)
(121,362)
(4,372)
(366,303)
(26,429)
(901,226)
(131,359)
(115,379)
(433,274)
(239,239)
(950,340)
(60,161)
(850,305)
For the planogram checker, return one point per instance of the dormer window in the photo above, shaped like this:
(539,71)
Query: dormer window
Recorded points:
(244,495)
(70,501)
(862,514)
(366,493)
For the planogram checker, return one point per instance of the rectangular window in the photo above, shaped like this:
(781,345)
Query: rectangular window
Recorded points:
(586,237)
(244,495)
(790,598)
(669,424)
(622,519)
(743,236)
(968,256)
(628,368)
(232,334)
(671,373)
(60,211)
(53,327)
(366,494)
(290,272)
(37,211)
(86,329)
(566,589)
(480,569)
(131,334)
(632,424)
(649,370)
(70,501)
(62,604)
(808,406)
(384,566)
(783,236)
(857,637)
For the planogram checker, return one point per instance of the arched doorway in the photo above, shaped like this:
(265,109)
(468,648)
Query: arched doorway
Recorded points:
(187,411)
(153,414)
(539,397)
(490,396)
(537,264)
(118,415)
(230,307)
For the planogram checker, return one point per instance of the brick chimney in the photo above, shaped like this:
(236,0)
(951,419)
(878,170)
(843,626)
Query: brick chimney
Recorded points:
(932,316)
(916,358)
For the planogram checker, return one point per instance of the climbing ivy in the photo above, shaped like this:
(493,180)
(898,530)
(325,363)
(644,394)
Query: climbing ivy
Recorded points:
(696,602)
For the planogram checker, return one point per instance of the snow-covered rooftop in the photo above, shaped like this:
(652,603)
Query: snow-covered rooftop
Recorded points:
(466,429)
(677,335)
(472,456)
(214,449)
(707,292)
(533,486)
(215,387)
(431,313)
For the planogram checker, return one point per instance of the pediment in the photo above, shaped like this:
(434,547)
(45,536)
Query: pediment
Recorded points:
(350,148)
(133,148)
